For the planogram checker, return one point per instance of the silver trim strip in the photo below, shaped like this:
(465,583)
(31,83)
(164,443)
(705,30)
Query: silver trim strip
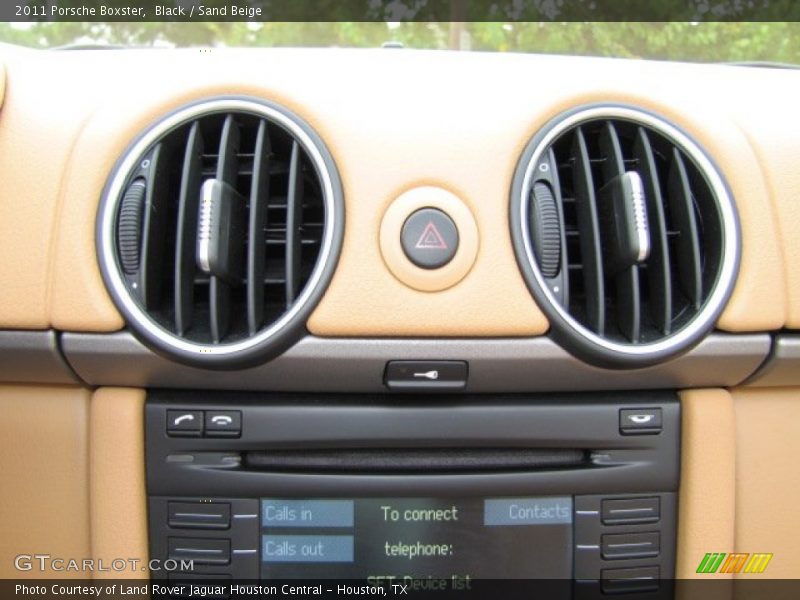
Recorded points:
(111,200)
(357,365)
(724,202)
(782,369)
(33,357)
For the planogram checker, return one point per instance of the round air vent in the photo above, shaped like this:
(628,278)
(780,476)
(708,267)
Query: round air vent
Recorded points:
(625,233)
(219,230)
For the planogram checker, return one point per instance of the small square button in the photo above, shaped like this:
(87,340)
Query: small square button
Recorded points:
(223,423)
(640,421)
(187,423)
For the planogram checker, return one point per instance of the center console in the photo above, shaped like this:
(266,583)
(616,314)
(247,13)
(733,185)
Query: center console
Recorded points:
(399,489)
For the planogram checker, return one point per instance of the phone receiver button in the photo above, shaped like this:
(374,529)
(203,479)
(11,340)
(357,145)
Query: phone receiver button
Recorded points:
(223,423)
(185,423)
(640,421)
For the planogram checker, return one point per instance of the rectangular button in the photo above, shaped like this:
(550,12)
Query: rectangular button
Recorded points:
(640,421)
(199,515)
(634,579)
(630,545)
(631,510)
(201,551)
(426,375)
(223,423)
(187,423)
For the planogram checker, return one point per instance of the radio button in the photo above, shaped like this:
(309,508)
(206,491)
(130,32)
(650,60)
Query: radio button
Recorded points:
(625,581)
(628,511)
(223,423)
(411,375)
(187,423)
(429,238)
(640,421)
(199,515)
(630,545)
(201,551)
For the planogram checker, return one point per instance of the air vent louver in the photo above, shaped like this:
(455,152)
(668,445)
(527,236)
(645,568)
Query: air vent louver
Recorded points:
(219,231)
(648,242)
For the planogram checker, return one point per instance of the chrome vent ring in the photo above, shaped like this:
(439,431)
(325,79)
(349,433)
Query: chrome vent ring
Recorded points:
(240,227)
(649,235)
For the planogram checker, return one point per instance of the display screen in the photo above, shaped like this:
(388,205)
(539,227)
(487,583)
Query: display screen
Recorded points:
(384,539)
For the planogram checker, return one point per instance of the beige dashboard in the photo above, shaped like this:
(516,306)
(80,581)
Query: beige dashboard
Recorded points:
(459,123)
(393,120)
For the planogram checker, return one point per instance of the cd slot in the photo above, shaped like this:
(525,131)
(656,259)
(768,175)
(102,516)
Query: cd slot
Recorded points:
(415,460)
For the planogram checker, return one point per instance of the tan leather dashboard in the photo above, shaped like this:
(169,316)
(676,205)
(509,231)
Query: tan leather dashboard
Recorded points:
(392,121)
(738,480)
(44,436)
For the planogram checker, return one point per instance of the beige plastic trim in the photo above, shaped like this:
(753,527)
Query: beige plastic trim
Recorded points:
(428,280)
(44,497)
(117,483)
(767,477)
(706,504)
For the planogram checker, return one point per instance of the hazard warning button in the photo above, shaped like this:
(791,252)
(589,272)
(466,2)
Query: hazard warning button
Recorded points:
(429,238)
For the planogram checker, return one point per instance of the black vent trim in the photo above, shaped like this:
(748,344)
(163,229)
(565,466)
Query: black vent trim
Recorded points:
(603,306)
(239,290)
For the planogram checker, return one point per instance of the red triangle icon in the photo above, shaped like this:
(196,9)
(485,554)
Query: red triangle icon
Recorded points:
(431,239)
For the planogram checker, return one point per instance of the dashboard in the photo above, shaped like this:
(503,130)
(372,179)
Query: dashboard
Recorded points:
(524,289)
